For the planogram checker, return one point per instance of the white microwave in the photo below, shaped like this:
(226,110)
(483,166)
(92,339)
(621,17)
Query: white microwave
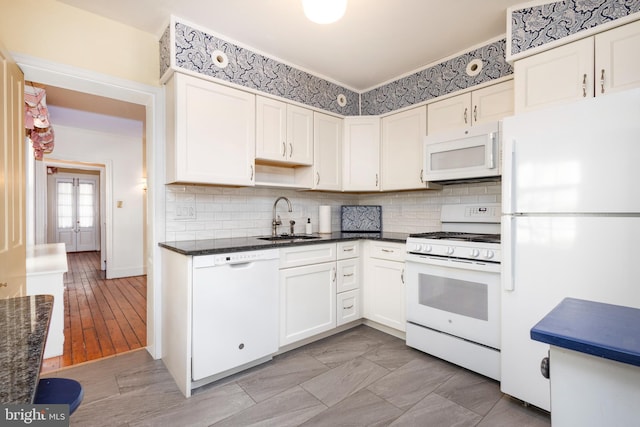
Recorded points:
(463,154)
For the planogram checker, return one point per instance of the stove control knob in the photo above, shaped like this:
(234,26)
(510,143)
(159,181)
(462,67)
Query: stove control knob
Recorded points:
(427,248)
(488,254)
(475,253)
(450,250)
(418,247)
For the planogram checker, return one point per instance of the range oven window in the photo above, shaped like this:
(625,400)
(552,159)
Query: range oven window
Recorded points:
(454,296)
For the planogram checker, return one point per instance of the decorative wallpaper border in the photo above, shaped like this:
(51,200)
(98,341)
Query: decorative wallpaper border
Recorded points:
(441,79)
(193,52)
(535,26)
(165,51)
(188,48)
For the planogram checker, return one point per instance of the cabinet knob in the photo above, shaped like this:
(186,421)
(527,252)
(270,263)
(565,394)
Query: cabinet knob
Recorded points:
(545,368)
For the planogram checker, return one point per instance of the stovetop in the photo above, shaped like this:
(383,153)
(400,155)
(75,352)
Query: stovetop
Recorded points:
(459,236)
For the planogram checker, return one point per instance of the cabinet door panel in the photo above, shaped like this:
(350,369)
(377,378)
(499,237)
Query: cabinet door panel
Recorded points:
(450,113)
(554,77)
(299,135)
(348,307)
(617,59)
(307,301)
(327,147)
(214,132)
(492,103)
(384,293)
(271,119)
(402,140)
(361,167)
(348,275)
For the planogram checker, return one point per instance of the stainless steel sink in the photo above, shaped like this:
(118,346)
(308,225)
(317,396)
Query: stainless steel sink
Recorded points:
(288,237)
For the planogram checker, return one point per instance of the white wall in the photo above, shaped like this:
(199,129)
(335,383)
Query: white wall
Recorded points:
(239,212)
(124,154)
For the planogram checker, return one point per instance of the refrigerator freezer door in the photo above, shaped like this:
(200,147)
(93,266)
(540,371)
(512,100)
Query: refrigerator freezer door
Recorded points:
(583,157)
(587,257)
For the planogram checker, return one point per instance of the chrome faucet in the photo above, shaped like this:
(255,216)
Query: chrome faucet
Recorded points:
(276,221)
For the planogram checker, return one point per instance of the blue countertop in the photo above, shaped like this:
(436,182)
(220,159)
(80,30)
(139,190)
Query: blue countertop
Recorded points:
(239,244)
(598,329)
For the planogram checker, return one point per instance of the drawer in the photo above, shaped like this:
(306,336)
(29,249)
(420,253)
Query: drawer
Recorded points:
(350,249)
(387,250)
(349,307)
(296,256)
(348,275)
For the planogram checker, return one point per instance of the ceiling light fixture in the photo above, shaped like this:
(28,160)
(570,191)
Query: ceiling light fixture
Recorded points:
(324,11)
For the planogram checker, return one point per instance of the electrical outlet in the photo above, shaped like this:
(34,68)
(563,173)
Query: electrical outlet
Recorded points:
(185,211)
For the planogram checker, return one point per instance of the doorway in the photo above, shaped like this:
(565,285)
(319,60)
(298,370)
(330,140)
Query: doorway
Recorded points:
(152,100)
(74,208)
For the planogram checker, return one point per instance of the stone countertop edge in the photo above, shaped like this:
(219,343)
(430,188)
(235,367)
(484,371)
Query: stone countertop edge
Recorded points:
(240,244)
(24,322)
(599,329)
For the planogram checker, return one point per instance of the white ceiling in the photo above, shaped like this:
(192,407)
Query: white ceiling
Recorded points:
(375,42)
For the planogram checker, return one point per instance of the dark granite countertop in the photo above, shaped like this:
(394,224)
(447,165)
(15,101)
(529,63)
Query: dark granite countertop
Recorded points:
(24,322)
(239,244)
(603,330)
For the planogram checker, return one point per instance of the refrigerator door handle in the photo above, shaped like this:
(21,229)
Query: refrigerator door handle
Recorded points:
(508,239)
(514,183)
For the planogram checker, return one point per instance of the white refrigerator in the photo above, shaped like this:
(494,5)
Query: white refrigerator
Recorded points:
(570,224)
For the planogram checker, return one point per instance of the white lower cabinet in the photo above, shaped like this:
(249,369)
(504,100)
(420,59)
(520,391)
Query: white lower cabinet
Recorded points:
(349,306)
(348,297)
(307,291)
(384,290)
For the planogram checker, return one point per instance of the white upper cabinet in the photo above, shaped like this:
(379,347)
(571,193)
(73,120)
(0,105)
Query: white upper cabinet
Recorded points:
(284,132)
(327,165)
(210,133)
(361,159)
(554,77)
(593,66)
(490,103)
(618,59)
(402,141)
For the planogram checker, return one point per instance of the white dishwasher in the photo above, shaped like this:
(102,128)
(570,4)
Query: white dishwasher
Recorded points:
(235,310)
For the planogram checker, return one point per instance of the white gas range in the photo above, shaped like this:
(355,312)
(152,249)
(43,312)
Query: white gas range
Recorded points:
(453,288)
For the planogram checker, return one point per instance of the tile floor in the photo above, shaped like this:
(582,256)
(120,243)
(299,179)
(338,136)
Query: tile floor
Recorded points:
(360,377)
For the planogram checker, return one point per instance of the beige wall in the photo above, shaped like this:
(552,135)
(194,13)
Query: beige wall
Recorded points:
(51,30)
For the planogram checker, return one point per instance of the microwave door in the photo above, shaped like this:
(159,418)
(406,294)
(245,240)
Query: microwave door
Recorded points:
(471,157)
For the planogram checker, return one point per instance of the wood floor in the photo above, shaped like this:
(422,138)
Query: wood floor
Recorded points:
(102,317)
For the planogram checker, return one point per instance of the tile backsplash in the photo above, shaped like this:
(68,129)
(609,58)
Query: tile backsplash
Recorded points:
(240,212)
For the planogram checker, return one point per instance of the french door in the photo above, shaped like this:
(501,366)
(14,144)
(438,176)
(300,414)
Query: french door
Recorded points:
(76,213)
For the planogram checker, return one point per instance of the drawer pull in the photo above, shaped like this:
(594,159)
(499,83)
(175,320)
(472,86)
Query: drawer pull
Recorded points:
(348,308)
(347,275)
(4,285)
(388,250)
(347,249)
